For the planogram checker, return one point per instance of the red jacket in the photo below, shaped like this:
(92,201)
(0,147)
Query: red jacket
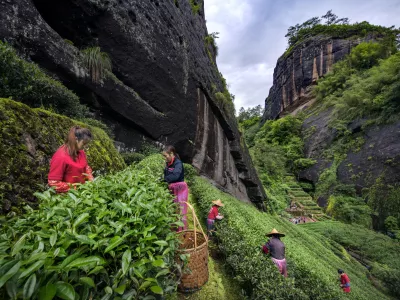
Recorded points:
(345,282)
(213,213)
(64,170)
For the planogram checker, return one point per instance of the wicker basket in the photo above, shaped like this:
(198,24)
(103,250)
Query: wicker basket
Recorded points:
(194,243)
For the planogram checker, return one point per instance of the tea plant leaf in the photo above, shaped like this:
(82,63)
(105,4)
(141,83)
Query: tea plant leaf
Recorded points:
(126,260)
(7,266)
(65,291)
(108,290)
(29,287)
(18,245)
(11,272)
(145,285)
(81,219)
(85,240)
(156,289)
(162,273)
(88,281)
(69,259)
(47,292)
(53,239)
(35,266)
(121,289)
(96,270)
(115,242)
(85,261)
(161,243)
(11,287)
(34,257)
(158,263)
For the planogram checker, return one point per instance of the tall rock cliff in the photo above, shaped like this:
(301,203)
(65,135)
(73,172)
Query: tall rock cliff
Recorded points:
(298,70)
(163,82)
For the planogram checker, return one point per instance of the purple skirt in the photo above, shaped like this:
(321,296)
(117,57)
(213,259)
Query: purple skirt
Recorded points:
(181,192)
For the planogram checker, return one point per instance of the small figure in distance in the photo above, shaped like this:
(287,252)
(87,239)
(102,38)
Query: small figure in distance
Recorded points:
(344,281)
(213,215)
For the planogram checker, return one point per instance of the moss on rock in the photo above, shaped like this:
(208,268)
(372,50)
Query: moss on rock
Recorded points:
(28,139)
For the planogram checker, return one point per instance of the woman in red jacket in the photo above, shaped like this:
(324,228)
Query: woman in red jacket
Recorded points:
(344,281)
(68,165)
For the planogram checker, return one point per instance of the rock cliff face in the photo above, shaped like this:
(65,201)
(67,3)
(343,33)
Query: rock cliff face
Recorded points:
(163,82)
(297,71)
(378,155)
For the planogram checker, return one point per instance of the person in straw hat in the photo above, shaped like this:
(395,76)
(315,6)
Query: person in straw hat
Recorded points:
(213,215)
(276,249)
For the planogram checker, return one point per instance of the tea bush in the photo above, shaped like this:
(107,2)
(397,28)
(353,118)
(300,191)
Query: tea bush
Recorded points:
(312,259)
(108,239)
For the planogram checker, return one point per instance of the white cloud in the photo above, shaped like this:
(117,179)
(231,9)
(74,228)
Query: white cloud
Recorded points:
(252,35)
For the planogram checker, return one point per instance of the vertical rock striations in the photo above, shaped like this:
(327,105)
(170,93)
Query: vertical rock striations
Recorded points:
(297,71)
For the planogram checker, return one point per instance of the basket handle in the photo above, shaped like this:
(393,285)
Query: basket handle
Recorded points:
(194,226)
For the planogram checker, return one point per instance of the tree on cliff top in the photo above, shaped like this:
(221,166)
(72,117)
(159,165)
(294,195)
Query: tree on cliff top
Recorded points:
(334,26)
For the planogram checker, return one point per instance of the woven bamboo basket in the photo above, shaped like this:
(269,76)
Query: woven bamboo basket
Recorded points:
(194,243)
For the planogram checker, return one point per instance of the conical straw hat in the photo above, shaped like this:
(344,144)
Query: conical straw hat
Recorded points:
(218,202)
(274,231)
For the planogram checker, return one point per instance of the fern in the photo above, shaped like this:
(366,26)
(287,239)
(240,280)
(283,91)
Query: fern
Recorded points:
(97,62)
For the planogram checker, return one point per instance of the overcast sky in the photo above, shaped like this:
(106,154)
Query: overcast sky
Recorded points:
(252,35)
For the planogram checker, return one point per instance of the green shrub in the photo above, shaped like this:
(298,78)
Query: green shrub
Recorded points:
(109,238)
(26,82)
(225,103)
(132,157)
(28,139)
(384,199)
(349,210)
(97,63)
(195,6)
(210,40)
(391,224)
(312,264)
(372,94)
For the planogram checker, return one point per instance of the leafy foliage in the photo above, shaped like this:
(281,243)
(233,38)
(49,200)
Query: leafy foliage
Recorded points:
(210,40)
(225,103)
(109,238)
(312,260)
(97,62)
(26,82)
(349,210)
(28,139)
(250,114)
(384,199)
(195,6)
(373,93)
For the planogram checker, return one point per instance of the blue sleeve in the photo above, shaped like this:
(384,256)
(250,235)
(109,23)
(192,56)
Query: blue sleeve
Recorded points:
(175,174)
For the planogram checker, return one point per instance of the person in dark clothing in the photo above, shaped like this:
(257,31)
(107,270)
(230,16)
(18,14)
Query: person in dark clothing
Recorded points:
(344,281)
(276,249)
(174,175)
